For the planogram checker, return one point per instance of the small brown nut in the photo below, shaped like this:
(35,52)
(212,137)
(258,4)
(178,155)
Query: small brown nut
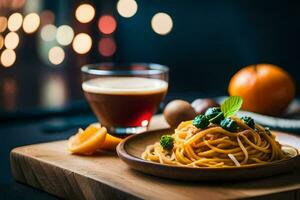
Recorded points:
(177,111)
(201,105)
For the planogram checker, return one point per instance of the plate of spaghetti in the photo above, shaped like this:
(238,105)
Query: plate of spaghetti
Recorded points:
(214,146)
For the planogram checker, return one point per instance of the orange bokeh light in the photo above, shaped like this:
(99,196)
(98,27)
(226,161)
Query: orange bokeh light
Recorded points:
(1,41)
(107,24)
(3,23)
(107,47)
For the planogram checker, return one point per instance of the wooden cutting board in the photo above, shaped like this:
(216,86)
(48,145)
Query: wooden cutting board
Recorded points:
(50,167)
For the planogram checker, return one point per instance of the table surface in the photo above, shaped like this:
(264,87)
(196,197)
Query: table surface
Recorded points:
(50,167)
(38,127)
(31,130)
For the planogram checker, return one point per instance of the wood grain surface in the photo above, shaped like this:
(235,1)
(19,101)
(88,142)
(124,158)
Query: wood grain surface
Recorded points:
(50,167)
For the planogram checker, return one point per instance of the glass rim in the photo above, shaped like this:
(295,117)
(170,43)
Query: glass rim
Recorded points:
(151,69)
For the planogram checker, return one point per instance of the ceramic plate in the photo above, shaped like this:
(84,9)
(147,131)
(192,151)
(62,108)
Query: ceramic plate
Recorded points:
(130,150)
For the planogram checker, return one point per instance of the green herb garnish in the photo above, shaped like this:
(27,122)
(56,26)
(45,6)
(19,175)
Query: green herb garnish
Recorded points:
(212,112)
(221,115)
(231,105)
(229,124)
(167,142)
(201,121)
(249,121)
(214,115)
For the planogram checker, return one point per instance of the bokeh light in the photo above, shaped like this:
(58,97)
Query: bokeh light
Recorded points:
(127,8)
(162,23)
(107,24)
(11,40)
(107,47)
(56,55)
(3,23)
(54,84)
(16,4)
(15,22)
(9,91)
(1,41)
(31,22)
(47,17)
(85,13)
(82,43)
(64,35)
(8,57)
(48,32)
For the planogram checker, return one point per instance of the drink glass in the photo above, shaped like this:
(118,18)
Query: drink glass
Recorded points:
(124,96)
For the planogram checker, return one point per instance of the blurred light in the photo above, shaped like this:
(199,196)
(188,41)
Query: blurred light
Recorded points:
(107,24)
(33,6)
(53,84)
(48,32)
(107,47)
(47,17)
(56,55)
(31,22)
(127,8)
(15,22)
(145,122)
(11,40)
(8,57)
(10,90)
(162,23)
(64,35)
(3,23)
(85,13)
(82,43)
(16,4)
(1,41)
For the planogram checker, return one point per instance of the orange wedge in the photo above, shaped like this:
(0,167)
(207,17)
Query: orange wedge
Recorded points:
(87,141)
(110,142)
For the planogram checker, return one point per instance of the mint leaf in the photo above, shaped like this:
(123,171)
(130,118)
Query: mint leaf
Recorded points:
(231,105)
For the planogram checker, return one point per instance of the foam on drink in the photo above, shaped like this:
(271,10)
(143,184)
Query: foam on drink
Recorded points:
(124,85)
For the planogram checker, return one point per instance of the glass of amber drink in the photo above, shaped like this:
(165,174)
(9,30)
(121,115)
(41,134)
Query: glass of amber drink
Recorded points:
(124,96)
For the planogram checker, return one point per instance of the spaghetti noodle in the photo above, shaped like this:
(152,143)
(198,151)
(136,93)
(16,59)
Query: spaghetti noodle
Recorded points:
(217,147)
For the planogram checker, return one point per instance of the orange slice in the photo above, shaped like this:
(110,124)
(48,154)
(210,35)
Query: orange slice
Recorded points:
(87,141)
(110,142)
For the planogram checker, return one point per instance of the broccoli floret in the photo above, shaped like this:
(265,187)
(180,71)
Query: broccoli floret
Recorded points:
(249,121)
(214,115)
(229,124)
(201,121)
(212,112)
(167,142)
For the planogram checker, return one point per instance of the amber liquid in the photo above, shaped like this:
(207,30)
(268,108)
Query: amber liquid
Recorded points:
(124,102)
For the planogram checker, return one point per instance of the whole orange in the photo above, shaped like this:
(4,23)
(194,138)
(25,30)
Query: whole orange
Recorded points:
(265,88)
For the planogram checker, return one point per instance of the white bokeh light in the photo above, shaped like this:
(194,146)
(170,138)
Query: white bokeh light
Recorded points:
(82,43)
(15,22)
(162,23)
(31,23)
(127,8)
(8,57)
(64,35)
(48,32)
(11,40)
(85,13)
(56,55)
